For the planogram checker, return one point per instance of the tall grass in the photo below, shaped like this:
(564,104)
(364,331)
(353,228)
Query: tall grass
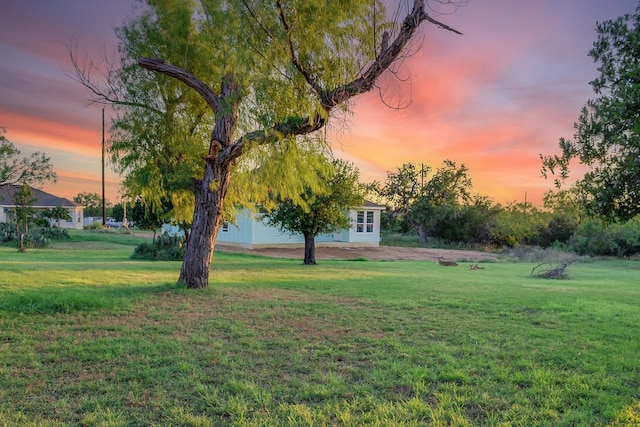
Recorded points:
(90,337)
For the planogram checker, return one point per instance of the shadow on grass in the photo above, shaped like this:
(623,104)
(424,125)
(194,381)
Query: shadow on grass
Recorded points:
(75,299)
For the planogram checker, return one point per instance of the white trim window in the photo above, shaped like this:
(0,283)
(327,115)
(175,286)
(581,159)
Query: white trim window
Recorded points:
(225,227)
(364,222)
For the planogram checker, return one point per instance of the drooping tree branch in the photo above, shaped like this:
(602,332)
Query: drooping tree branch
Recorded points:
(83,71)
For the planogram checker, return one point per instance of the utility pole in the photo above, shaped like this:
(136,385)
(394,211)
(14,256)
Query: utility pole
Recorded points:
(104,205)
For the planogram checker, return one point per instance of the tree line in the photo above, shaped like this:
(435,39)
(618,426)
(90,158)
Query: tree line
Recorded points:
(216,107)
(439,208)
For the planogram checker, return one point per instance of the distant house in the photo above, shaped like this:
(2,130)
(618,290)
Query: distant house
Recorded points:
(251,232)
(43,201)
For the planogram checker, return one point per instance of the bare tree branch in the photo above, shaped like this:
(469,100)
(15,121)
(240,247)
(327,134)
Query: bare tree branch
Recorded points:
(83,73)
(159,65)
(387,56)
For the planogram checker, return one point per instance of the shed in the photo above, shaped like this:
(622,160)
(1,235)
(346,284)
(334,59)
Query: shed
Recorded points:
(251,232)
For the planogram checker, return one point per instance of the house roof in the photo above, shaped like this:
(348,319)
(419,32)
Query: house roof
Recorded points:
(43,199)
(368,204)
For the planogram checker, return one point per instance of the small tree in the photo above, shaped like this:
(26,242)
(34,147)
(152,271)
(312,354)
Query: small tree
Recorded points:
(323,211)
(34,170)
(57,214)
(146,218)
(23,200)
(92,203)
(423,200)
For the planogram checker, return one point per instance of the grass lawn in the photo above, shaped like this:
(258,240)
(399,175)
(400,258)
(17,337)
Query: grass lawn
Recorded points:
(90,337)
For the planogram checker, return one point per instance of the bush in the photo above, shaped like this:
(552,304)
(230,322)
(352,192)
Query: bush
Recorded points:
(559,230)
(163,248)
(95,226)
(37,237)
(8,232)
(595,238)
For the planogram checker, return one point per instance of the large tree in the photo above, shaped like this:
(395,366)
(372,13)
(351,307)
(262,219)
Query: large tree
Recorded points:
(33,170)
(321,211)
(260,74)
(607,133)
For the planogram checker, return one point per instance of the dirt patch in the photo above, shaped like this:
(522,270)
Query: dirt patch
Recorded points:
(390,253)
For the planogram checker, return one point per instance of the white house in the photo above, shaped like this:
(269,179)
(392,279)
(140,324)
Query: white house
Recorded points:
(43,201)
(251,233)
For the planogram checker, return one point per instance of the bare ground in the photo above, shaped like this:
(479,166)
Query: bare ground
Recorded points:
(391,253)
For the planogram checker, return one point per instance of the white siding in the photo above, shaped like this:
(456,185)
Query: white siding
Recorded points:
(364,236)
(250,231)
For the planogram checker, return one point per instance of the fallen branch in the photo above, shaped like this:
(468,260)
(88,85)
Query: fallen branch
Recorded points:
(553,272)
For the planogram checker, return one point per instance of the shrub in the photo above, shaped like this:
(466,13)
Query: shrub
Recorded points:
(8,232)
(595,238)
(163,248)
(95,226)
(37,237)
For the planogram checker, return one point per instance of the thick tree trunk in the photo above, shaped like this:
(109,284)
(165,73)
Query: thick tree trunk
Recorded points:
(422,234)
(211,191)
(207,218)
(309,249)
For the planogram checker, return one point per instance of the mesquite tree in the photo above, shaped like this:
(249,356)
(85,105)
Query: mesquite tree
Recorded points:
(607,133)
(254,73)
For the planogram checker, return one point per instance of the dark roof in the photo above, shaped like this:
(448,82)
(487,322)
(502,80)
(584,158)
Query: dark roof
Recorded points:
(43,199)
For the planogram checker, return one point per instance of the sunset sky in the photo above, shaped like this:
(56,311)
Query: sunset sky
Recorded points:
(494,98)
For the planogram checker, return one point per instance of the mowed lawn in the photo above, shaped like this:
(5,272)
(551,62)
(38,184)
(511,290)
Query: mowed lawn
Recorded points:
(91,337)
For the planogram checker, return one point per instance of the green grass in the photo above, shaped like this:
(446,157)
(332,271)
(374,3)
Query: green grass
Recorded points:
(90,337)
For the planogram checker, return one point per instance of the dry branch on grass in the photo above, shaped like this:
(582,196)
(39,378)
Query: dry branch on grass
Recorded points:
(551,271)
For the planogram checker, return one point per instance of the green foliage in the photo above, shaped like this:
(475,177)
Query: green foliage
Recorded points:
(517,224)
(227,77)
(35,169)
(324,210)
(425,201)
(163,248)
(472,223)
(56,214)
(24,211)
(147,219)
(607,134)
(92,203)
(596,238)
(8,232)
(558,230)
(36,237)
(117,212)
(320,211)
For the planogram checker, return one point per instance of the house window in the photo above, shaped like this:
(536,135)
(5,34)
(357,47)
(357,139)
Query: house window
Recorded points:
(225,227)
(364,222)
